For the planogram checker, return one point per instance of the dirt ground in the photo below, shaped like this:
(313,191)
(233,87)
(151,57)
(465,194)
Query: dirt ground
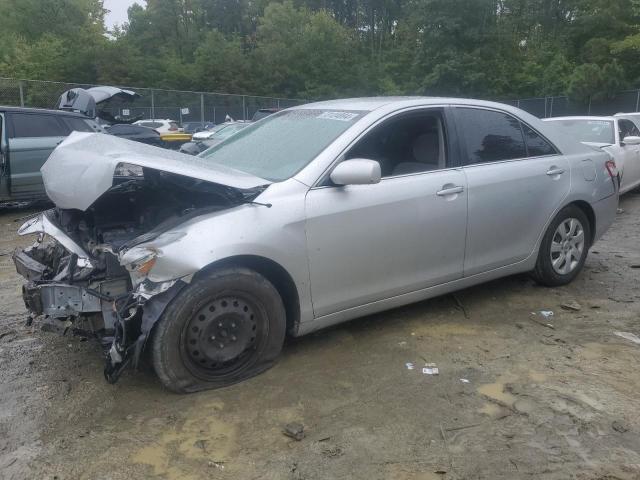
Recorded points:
(515,398)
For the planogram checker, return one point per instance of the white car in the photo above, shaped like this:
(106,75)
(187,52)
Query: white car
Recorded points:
(206,134)
(160,126)
(618,136)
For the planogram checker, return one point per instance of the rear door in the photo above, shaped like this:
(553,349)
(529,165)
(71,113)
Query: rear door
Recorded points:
(516,180)
(32,138)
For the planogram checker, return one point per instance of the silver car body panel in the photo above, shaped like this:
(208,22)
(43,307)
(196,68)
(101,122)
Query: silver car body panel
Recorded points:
(41,224)
(81,168)
(377,232)
(357,250)
(627,157)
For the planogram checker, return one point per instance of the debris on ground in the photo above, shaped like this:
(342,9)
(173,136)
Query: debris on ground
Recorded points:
(294,430)
(410,366)
(621,300)
(619,427)
(460,306)
(629,336)
(333,451)
(572,306)
(545,314)
(430,369)
(216,464)
(464,380)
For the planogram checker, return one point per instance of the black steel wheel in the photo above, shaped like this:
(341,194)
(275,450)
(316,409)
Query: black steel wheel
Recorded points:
(221,329)
(220,336)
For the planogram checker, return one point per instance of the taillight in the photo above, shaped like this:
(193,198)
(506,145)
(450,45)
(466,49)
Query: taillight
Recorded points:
(612,168)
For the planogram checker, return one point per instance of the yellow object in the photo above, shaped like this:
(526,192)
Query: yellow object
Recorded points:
(176,137)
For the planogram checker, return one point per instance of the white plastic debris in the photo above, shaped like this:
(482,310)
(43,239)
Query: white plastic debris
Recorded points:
(410,366)
(629,336)
(430,369)
(546,313)
(464,380)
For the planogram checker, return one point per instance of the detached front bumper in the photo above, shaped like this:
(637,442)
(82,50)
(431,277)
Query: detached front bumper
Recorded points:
(59,299)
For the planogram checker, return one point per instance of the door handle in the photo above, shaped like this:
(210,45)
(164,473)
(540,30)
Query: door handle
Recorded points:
(555,171)
(450,191)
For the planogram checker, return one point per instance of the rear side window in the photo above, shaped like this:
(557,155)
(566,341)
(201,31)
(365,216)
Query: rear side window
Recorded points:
(489,136)
(536,145)
(77,124)
(25,125)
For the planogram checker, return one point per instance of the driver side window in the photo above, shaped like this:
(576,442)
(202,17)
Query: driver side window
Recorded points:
(406,144)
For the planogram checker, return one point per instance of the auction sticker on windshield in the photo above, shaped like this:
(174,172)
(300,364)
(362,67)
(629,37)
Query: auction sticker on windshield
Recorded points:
(342,116)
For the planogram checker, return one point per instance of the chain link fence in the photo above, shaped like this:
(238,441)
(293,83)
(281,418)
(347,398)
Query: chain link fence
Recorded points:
(545,107)
(154,103)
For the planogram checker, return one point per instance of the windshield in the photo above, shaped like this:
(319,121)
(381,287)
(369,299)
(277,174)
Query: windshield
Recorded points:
(596,131)
(279,146)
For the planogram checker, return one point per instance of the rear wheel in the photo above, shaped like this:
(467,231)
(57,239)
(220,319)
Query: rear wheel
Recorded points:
(221,329)
(564,248)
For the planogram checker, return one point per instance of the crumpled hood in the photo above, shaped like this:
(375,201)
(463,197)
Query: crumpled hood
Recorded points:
(81,168)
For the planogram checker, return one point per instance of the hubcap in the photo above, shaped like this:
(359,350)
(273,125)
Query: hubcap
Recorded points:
(567,246)
(221,334)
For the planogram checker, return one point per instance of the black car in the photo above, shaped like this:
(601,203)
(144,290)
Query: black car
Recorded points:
(136,133)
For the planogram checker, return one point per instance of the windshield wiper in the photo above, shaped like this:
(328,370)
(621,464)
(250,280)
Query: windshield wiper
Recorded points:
(253,202)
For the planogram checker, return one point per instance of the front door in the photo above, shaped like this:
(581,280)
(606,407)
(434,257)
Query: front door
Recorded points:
(372,242)
(32,138)
(516,181)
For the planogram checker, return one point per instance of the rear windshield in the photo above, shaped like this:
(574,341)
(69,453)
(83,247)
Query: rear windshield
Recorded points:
(282,144)
(596,131)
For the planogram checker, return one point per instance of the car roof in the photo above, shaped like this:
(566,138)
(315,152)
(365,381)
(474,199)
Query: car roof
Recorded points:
(41,110)
(374,103)
(592,117)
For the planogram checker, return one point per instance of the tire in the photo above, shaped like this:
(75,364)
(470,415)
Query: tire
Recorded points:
(555,268)
(221,329)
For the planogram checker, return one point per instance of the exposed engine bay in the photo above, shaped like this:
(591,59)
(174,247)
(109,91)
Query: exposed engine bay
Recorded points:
(77,278)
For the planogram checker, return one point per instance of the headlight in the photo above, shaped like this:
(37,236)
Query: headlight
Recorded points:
(139,260)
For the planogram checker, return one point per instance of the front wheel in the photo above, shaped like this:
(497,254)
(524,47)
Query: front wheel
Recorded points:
(222,329)
(564,248)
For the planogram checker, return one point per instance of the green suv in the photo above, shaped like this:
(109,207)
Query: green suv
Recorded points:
(27,138)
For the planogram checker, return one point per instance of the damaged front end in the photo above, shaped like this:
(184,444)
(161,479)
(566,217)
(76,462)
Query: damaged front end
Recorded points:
(88,270)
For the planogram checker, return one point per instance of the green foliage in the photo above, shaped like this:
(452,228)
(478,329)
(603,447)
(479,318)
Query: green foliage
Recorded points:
(588,49)
(591,81)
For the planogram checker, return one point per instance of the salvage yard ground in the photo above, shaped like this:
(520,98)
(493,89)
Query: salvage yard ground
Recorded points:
(544,398)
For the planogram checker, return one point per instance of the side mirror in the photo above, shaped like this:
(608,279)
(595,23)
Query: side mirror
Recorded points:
(358,171)
(631,140)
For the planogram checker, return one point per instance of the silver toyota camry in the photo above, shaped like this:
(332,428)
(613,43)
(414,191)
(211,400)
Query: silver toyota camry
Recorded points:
(311,217)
